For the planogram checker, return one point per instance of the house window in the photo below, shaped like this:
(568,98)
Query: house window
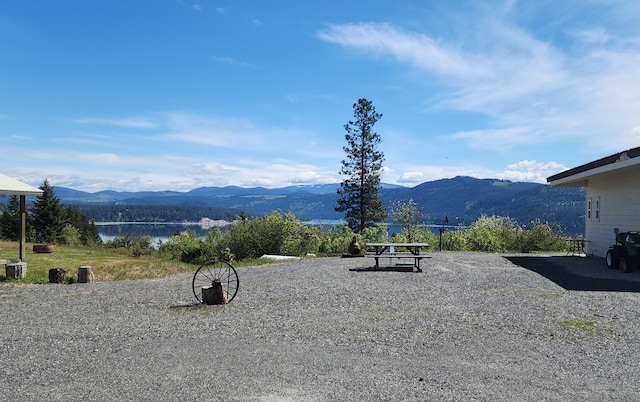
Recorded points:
(597,208)
(589,208)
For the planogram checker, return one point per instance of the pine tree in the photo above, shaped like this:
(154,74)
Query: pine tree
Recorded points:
(48,217)
(10,220)
(359,193)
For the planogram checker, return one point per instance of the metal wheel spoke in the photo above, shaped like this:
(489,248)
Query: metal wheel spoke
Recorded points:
(212,271)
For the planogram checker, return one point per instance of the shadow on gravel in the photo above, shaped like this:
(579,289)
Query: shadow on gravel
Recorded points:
(383,269)
(552,269)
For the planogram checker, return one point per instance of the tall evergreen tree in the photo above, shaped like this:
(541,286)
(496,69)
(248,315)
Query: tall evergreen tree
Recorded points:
(10,220)
(48,217)
(359,193)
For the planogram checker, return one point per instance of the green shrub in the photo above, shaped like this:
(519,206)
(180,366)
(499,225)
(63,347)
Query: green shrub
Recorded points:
(336,239)
(275,233)
(301,239)
(492,234)
(137,244)
(415,234)
(375,234)
(283,233)
(541,236)
(500,234)
(71,235)
(454,240)
(408,214)
(188,247)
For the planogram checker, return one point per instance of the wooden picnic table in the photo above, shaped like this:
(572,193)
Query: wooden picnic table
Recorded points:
(390,250)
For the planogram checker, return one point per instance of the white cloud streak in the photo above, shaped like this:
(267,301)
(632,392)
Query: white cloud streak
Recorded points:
(529,88)
(136,123)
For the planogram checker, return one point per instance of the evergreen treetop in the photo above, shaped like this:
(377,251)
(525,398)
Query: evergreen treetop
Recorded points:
(48,217)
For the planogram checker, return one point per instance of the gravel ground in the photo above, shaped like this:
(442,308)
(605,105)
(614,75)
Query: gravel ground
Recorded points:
(470,327)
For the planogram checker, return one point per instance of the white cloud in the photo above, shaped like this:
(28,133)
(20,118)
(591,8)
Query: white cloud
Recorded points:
(210,169)
(501,140)
(205,150)
(504,65)
(308,174)
(240,134)
(416,49)
(594,35)
(100,157)
(417,174)
(526,170)
(530,171)
(531,91)
(212,131)
(413,177)
(21,137)
(233,62)
(123,123)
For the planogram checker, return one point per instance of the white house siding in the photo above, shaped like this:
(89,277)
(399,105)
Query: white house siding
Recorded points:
(619,194)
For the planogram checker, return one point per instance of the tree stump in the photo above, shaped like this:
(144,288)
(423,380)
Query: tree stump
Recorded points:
(56,275)
(84,274)
(16,270)
(214,294)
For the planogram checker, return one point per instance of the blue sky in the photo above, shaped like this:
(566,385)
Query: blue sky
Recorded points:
(179,94)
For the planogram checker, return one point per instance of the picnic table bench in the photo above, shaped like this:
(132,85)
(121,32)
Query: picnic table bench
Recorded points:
(411,257)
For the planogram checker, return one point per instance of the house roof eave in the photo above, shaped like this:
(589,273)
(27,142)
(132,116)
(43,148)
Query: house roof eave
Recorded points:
(578,176)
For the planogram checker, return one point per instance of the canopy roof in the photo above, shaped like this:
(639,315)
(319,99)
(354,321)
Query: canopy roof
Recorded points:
(15,187)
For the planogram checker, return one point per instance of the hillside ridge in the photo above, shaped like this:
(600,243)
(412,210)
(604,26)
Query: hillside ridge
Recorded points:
(462,199)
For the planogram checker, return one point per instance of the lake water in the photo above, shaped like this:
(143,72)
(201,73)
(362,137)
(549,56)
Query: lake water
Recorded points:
(161,232)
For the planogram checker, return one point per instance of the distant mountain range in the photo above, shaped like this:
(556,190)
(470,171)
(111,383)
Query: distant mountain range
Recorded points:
(461,199)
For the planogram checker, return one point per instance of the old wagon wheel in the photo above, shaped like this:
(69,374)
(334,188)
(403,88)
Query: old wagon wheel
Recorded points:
(216,272)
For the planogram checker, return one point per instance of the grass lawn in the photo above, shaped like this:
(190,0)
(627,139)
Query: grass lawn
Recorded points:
(106,264)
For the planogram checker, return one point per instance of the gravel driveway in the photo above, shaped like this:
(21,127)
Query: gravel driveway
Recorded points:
(470,327)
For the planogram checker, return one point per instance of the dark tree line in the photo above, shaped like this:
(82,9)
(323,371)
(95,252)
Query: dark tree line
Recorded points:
(48,221)
(10,220)
(155,213)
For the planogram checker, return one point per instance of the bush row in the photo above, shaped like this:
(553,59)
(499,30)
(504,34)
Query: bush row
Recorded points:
(283,234)
(500,234)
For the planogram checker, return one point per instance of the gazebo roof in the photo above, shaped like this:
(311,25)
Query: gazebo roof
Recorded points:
(12,186)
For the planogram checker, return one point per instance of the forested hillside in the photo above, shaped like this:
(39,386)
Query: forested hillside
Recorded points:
(462,199)
(154,213)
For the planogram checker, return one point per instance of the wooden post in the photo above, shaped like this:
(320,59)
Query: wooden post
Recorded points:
(214,294)
(23,224)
